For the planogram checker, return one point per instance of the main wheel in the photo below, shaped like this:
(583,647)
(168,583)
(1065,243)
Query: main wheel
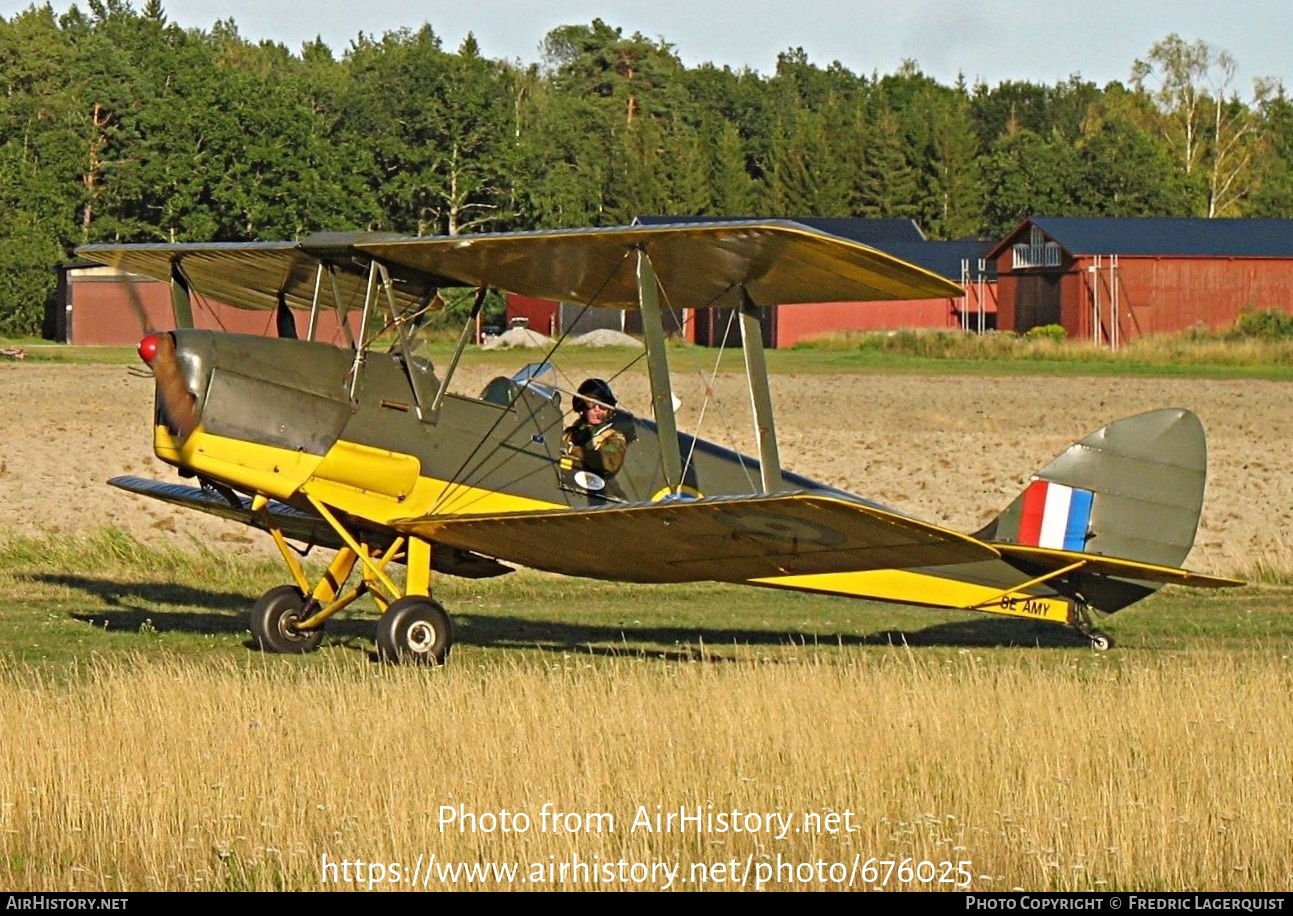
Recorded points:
(414,630)
(274,620)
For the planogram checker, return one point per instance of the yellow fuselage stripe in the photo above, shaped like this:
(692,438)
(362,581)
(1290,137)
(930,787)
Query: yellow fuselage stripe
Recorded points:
(912,587)
(374,484)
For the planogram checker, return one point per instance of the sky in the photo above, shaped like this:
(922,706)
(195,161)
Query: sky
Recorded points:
(989,41)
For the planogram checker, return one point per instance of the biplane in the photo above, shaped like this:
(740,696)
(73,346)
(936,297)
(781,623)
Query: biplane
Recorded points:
(361,447)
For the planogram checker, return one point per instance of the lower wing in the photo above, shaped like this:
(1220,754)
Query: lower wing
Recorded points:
(723,539)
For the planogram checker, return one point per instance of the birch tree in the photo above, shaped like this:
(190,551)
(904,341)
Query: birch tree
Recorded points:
(1213,132)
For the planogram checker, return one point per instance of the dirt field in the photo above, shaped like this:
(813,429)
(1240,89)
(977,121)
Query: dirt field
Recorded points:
(952,450)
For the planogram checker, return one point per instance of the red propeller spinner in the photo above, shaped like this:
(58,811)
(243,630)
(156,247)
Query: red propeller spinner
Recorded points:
(178,404)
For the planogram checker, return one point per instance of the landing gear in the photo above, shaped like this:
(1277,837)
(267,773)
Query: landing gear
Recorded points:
(414,629)
(275,620)
(1083,621)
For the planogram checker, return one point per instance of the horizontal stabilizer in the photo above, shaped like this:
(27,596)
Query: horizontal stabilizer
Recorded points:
(1111,566)
(724,538)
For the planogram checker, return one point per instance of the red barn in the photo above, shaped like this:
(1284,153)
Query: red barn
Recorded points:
(1112,279)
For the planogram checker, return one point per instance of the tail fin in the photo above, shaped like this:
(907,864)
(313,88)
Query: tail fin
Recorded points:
(1131,490)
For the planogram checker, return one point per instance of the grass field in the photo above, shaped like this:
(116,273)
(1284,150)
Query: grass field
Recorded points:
(147,746)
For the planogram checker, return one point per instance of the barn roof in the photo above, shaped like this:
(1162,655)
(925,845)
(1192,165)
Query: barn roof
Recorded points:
(945,258)
(1162,236)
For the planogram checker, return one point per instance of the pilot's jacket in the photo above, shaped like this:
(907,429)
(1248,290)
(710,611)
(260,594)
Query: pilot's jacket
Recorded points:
(600,449)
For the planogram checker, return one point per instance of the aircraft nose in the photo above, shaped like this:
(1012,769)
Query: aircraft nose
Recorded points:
(177,405)
(148,349)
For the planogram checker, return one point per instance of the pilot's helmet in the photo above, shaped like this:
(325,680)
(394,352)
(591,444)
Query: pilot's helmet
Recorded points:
(597,389)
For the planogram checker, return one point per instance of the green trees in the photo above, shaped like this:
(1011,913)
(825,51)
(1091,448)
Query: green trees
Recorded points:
(117,123)
(1273,196)
(430,132)
(50,161)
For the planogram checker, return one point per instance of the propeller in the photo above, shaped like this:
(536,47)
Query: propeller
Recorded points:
(178,405)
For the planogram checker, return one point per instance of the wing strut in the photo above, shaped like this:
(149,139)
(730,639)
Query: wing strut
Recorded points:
(658,369)
(361,351)
(180,303)
(756,372)
(342,309)
(314,302)
(284,323)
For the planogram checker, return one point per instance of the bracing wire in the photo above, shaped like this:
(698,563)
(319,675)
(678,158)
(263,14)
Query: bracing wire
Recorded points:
(710,397)
(474,460)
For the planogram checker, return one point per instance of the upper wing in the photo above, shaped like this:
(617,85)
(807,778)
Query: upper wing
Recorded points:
(724,539)
(699,265)
(254,275)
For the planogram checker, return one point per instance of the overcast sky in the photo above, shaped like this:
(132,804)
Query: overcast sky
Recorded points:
(986,40)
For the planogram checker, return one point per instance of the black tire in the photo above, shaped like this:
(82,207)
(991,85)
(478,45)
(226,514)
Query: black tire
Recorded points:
(414,630)
(1101,642)
(274,620)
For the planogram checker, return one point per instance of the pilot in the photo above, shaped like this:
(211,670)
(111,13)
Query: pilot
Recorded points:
(592,440)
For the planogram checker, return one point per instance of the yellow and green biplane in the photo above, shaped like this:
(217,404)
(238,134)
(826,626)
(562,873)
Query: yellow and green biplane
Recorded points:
(362,448)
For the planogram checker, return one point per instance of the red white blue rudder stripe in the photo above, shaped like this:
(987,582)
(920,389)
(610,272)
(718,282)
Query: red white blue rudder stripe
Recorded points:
(1055,516)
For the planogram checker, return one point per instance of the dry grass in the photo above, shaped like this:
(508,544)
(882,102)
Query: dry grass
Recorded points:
(1114,773)
(1190,351)
(1272,565)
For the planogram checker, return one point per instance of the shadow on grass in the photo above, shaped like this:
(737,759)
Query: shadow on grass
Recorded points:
(168,607)
(707,642)
(171,607)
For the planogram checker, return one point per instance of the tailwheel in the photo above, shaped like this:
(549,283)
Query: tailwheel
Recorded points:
(1100,641)
(414,630)
(274,622)
(1082,619)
